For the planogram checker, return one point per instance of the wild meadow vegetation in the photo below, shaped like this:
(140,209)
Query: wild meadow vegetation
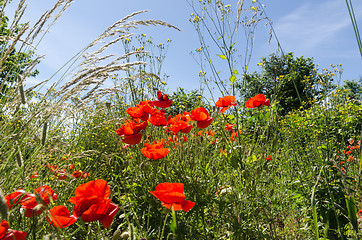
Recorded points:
(274,154)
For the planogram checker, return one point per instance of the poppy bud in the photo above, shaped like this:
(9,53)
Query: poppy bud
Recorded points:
(125,235)
(117,235)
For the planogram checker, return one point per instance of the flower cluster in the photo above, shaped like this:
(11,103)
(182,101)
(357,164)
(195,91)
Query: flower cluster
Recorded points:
(62,174)
(171,194)
(146,112)
(226,102)
(91,202)
(33,203)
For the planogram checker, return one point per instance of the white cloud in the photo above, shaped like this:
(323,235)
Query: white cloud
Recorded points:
(315,27)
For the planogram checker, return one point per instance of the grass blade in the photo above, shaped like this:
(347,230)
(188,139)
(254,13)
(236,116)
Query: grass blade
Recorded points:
(314,206)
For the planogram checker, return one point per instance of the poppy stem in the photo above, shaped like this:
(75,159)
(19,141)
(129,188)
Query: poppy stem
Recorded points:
(33,226)
(163,227)
(173,225)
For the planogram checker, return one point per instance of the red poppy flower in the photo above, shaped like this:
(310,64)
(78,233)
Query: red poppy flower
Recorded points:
(80,174)
(34,208)
(62,174)
(137,112)
(229,126)
(60,217)
(359,214)
(269,158)
(4,227)
(202,117)
(257,101)
(235,135)
(225,103)
(52,168)
(171,195)
(222,151)
(142,110)
(77,173)
(6,234)
(92,202)
(158,118)
(199,114)
(186,116)
(147,106)
(211,133)
(16,198)
(163,101)
(130,130)
(35,175)
(155,151)
(178,123)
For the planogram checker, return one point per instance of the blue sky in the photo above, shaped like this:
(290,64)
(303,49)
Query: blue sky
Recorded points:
(319,29)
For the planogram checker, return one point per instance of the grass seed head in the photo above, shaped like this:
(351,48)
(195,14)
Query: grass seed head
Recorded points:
(4,211)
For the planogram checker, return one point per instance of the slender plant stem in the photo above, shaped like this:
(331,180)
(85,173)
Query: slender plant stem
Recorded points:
(354,24)
(163,227)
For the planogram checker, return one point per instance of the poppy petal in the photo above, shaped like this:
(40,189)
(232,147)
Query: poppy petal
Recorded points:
(98,187)
(16,198)
(4,227)
(14,234)
(133,139)
(94,210)
(107,218)
(173,187)
(162,104)
(60,217)
(204,124)
(172,206)
(187,205)
(199,114)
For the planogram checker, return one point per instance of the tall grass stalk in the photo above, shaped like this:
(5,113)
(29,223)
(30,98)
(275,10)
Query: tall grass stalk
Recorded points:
(354,25)
(314,208)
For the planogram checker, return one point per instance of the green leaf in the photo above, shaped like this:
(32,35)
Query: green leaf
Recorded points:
(352,212)
(314,206)
(222,56)
(252,159)
(232,78)
(235,72)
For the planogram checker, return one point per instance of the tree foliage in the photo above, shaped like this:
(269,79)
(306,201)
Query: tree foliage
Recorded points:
(185,100)
(15,62)
(292,82)
(353,89)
